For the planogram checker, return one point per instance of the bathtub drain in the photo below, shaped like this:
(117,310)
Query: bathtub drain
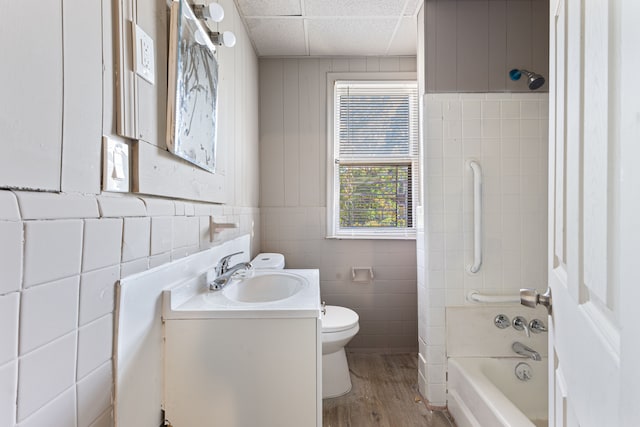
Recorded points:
(523,371)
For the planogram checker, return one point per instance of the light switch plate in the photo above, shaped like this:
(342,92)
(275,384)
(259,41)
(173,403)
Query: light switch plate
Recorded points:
(115,168)
(144,54)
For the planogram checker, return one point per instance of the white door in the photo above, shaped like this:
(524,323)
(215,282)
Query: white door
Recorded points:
(594,213)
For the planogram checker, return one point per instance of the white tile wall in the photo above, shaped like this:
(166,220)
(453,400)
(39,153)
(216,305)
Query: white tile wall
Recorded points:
(136,237)
(11,245)
(102,243)
(60,412)
(117,206)
(47,312)
(53,250)
(133,267)
(45,373)
(161,234)
(506,133)
(57,295)
(9,309)
(484,339)
(9,206)
(95,345)
(97,290)
(8,393)
(94,394)
(159,207)
(55,206)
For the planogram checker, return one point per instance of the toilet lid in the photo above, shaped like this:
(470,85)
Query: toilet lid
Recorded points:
(267,261)
(338,319)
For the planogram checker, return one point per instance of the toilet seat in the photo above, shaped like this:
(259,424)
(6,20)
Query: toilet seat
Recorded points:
(338,319)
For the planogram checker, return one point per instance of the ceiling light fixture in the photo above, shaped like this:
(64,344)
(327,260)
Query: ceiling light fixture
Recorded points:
(227,38)
(212,11)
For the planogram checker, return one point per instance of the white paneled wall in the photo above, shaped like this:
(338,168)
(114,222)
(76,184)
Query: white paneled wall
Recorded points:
(57,293)
(293,146)
(507,134)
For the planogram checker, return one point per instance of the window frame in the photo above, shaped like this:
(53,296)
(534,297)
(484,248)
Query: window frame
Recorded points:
(333,230)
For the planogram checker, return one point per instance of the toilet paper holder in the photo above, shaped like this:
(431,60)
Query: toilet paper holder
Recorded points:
(362,274)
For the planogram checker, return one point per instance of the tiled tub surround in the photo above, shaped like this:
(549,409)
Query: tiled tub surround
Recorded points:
(61,256)
(482,387)
(507,134)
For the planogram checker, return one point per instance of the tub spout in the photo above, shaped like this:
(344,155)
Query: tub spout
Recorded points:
(523,350)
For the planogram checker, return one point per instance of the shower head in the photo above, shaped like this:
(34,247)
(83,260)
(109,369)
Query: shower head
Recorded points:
(534,80)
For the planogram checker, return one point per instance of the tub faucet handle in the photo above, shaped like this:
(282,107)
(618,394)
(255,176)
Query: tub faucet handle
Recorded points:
(501,321)
(520,324)
(536,326)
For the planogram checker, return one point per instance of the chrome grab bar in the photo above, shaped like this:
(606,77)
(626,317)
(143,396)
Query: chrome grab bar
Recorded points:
(476,296)
(477,216)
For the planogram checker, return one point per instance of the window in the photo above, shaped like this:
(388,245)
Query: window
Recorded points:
(373,167)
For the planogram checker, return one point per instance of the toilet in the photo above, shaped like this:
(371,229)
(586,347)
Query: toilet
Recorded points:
(339,326)
(268,261)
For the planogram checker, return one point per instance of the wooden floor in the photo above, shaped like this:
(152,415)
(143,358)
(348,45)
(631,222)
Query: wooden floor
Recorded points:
(384,393)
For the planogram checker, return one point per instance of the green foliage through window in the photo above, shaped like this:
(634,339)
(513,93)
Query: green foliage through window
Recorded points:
(375,196)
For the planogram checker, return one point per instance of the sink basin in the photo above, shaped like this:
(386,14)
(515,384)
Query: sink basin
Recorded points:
(266,287)
(261,294)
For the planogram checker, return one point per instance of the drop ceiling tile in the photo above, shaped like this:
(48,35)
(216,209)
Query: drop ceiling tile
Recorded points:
(270,7)
(353,7)
(277,36)
(349,36)
(405,40)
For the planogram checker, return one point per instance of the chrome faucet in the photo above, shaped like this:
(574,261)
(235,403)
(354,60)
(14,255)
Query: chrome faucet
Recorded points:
(223,264)
(523,350)
(224,272)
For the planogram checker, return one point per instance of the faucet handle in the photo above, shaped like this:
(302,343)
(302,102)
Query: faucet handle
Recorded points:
(501,321)
(520,324)
(536,326)
(223,264)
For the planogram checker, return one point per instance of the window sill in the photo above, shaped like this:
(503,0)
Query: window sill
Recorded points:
(372,237)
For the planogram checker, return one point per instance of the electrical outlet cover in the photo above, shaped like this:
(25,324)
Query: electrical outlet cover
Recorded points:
(143,52)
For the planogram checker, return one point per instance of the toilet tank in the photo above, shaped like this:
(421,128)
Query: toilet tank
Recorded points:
(268,261)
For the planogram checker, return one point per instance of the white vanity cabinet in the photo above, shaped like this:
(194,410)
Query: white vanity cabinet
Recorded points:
(242,372)
(239,367)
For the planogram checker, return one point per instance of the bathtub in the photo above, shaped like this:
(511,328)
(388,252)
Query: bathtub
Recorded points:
(485,392)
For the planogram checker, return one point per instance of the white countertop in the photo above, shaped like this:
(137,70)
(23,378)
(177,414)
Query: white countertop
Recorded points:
(193,300)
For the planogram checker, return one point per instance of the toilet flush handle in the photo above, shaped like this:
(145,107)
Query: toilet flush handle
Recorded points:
(324,308)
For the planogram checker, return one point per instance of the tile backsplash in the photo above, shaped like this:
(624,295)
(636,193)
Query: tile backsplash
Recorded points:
(61,256)
(507,134)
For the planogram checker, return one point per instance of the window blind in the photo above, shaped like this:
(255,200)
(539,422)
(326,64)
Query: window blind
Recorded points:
(375,156)
(376,120)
